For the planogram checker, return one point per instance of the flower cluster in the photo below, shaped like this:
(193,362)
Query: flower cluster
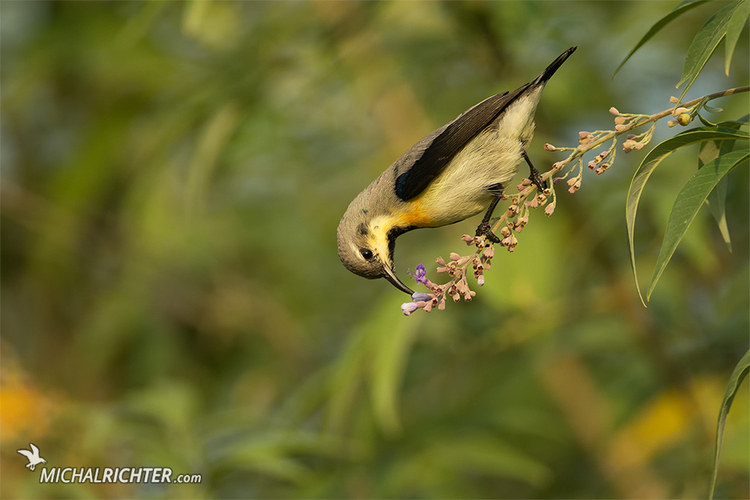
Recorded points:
(458,267)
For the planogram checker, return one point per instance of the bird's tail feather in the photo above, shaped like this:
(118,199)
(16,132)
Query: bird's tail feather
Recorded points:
(547,73)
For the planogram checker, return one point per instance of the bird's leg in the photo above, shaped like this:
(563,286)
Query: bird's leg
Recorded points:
(534,175)
(485,228)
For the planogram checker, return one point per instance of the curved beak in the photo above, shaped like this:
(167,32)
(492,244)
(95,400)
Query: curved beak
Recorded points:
(391,276)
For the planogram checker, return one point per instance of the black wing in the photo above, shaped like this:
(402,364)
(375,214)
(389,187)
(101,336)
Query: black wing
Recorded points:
(445,145)
(449,142)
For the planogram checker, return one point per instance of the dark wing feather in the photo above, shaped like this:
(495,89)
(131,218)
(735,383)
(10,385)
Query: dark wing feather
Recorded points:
(439,153)
(449,142)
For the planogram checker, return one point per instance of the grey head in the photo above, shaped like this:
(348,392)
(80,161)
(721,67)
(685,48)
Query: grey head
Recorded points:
(367,238)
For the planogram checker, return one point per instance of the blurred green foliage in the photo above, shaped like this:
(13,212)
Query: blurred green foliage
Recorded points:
(172,177)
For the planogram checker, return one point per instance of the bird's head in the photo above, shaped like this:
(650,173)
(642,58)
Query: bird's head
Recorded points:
(366,242)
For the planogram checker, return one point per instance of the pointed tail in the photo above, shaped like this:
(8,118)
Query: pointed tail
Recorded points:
(547,73)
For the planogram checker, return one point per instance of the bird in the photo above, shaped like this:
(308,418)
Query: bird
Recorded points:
(449,175)
(33,456)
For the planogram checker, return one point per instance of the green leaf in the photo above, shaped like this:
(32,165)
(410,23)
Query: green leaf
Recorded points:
(649,164)
(738,375)
(717,199)
(676,12)
(704,44)
(734,28)
(689,201)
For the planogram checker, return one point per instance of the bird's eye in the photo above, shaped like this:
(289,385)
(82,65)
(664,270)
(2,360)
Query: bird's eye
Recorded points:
(366,253)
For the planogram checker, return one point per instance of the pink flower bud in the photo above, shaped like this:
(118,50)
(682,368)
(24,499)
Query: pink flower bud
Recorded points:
(614,111)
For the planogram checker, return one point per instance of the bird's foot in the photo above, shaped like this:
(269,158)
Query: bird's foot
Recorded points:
(534,175)
(485,229)
(536,178)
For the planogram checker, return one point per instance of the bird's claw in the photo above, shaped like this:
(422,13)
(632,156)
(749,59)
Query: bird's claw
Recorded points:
(485,229)
(537,179)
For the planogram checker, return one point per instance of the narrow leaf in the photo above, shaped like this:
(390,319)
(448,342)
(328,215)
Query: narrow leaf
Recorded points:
(649,164)
(717,199)
(691,198)
(739,374)
(734,28)
(704,44)
(717,204)
(676,12)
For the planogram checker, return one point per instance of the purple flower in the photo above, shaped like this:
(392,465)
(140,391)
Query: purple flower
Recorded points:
(421,297)
(408,307)
(421,275)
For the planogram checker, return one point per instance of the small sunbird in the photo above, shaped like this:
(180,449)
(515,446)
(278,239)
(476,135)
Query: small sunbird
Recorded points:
(451,174)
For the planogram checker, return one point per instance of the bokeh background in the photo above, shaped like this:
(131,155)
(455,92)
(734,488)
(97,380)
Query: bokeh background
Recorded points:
(173,174)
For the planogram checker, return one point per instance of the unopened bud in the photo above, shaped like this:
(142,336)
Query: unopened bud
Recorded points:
(673,100)
(550,147)
(620,120)
(614,111)
(684,119)
(671,123)
(620,128)
(679,111)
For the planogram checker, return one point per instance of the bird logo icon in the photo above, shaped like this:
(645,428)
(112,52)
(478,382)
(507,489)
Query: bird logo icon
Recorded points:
(33,456)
